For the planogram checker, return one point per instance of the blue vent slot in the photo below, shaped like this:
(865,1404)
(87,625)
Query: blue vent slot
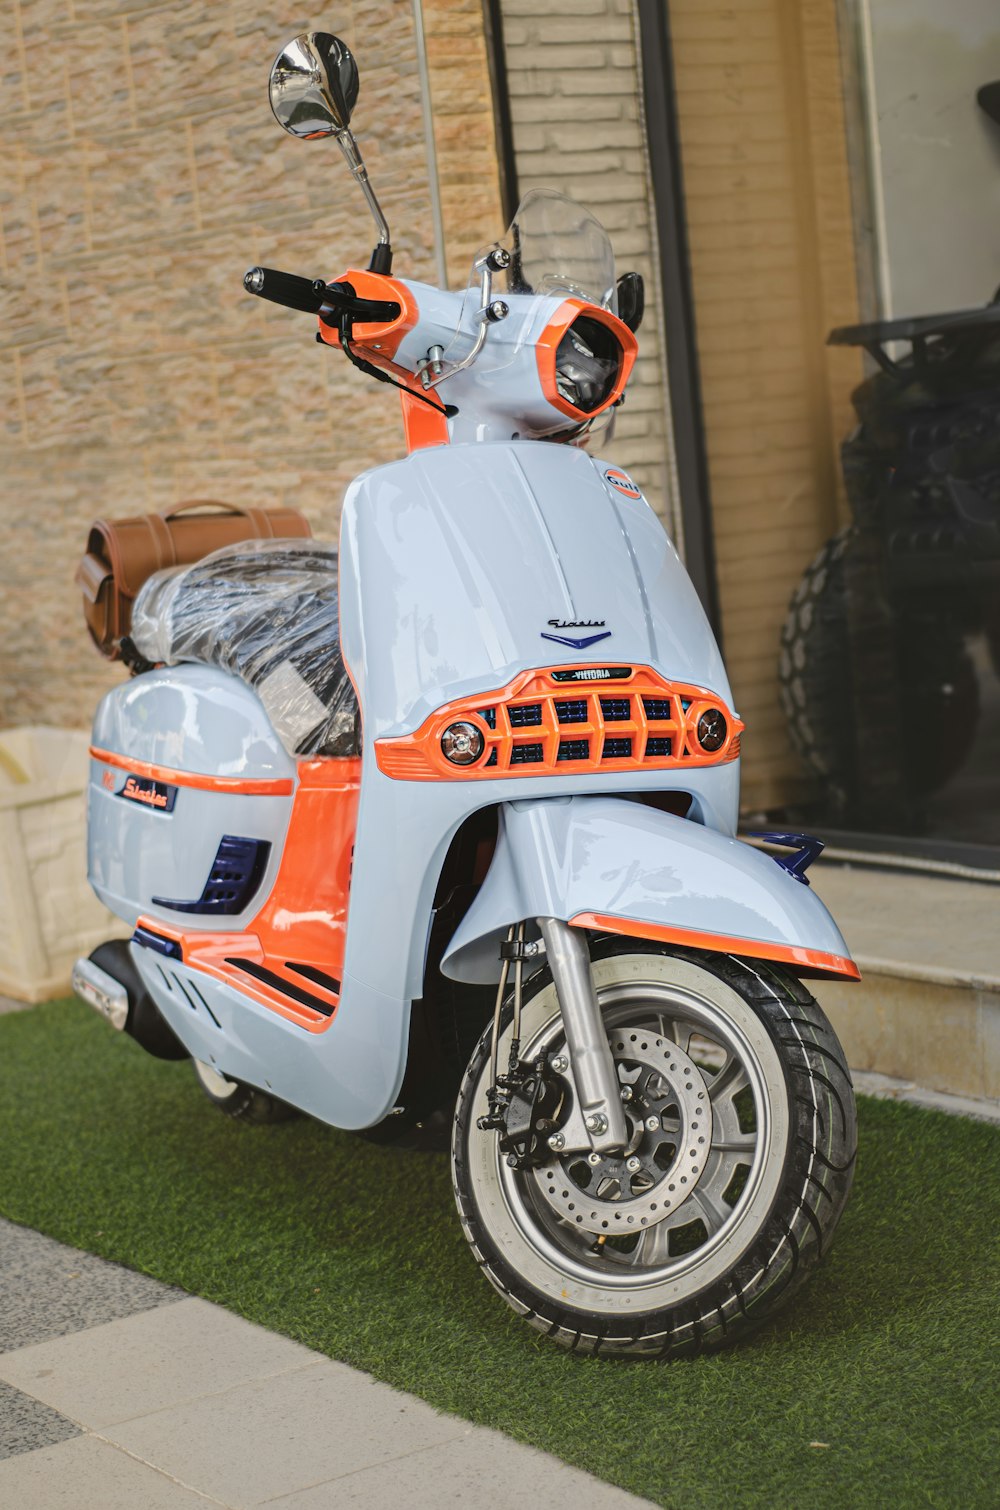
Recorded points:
(617,749)
(571,710)
(523,716)
(574,749)
(236,873)
(615,709)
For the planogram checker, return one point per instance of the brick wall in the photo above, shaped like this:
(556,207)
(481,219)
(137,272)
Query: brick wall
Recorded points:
(142,173)
(772,259)
(576,105)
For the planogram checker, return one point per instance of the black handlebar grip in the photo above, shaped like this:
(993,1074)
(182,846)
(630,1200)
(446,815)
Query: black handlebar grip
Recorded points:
(306,294)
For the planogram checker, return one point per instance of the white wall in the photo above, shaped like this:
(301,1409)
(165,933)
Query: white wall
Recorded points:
(935,154)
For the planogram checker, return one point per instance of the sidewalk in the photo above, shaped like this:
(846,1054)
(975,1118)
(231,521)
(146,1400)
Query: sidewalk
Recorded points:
(117,1393)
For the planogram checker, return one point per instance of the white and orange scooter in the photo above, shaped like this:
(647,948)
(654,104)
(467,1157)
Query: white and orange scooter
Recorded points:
(484,804)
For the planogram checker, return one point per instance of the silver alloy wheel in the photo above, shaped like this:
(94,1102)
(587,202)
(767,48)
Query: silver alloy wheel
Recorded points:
(699,1234)
(216,1084)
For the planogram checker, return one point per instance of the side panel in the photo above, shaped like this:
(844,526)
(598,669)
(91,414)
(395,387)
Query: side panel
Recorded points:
(616,865)
(223,771)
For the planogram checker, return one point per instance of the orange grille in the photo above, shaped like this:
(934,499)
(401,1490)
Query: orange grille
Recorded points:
(540,725)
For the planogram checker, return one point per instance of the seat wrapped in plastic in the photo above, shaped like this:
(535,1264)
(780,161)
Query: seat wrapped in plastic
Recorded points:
(266,611)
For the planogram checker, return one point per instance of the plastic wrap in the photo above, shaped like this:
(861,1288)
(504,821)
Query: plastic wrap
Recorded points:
(266,611)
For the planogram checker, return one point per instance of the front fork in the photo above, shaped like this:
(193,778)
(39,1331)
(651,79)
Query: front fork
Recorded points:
(521,1099)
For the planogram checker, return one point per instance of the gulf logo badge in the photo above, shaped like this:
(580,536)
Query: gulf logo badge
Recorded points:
(623,482)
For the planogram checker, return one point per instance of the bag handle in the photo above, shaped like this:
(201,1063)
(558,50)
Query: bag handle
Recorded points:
(259,518)
(203,503)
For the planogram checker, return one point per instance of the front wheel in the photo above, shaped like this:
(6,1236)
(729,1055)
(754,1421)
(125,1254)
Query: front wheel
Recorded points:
(739,1164)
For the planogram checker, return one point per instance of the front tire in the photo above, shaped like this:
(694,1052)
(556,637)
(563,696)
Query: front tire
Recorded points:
(742,1153)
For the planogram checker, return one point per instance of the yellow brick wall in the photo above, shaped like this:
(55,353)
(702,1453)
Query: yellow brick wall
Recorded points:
(141,173)
(760,106)
(575,81)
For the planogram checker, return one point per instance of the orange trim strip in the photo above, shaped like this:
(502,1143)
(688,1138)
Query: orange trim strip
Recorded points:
(209,952)
(422,425)
(281,786)
(673,721)
(813,960)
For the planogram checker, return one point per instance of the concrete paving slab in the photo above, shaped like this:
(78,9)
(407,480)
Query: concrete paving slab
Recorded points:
(918,926)
(889,1088)
(50,1290)
(478,1469)
(88,1474)
(286,1433)
(26,1424)
(146,1362)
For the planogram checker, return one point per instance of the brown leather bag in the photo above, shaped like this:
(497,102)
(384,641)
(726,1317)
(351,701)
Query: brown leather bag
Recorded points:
(122,553)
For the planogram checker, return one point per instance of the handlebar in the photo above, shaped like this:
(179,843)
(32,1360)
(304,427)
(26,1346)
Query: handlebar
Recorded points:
(315,297)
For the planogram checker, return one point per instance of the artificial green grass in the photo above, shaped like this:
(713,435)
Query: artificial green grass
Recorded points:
(889,1359)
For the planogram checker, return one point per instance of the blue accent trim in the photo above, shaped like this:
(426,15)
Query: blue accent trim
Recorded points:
(150,940)
(236,873)
(588,639)
(807,847)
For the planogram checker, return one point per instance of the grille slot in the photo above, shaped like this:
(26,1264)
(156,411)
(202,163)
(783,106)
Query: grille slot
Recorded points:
(616,709)
(285,987)
(571,710)
(526,755)
(525,716)
(493,758)
(574,749)
(658,746)
(489,717)
(616,749)
(657,708)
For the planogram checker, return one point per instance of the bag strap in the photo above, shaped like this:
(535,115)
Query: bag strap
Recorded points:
(163,543)
(262,523)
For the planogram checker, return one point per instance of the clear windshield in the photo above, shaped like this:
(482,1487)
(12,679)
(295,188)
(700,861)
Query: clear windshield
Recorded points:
(558,247)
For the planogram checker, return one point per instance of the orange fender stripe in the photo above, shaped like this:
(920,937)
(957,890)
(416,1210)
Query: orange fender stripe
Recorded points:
(282,786)
(813,961)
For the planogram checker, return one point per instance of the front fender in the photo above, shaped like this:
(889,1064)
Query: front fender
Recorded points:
(622,867)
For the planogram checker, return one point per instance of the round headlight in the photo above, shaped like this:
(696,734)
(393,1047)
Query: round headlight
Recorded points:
(712,730)
(588,362)
(462,743)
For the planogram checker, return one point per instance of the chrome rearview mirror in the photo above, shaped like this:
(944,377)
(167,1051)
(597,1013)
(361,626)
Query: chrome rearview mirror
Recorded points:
(313,90)
(314,85)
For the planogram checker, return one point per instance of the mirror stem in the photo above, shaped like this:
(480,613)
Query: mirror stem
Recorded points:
(383,252)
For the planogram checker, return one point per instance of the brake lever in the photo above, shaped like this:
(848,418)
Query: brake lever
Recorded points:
(340,299)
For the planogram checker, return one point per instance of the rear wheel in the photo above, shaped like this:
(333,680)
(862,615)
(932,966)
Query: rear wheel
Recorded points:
(871,743)
(739,1164)
(239,1100)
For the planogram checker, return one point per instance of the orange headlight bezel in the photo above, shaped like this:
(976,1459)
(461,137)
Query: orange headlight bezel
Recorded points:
(547,346)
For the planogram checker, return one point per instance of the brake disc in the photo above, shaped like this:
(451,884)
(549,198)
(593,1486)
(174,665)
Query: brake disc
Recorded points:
(670,1118)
